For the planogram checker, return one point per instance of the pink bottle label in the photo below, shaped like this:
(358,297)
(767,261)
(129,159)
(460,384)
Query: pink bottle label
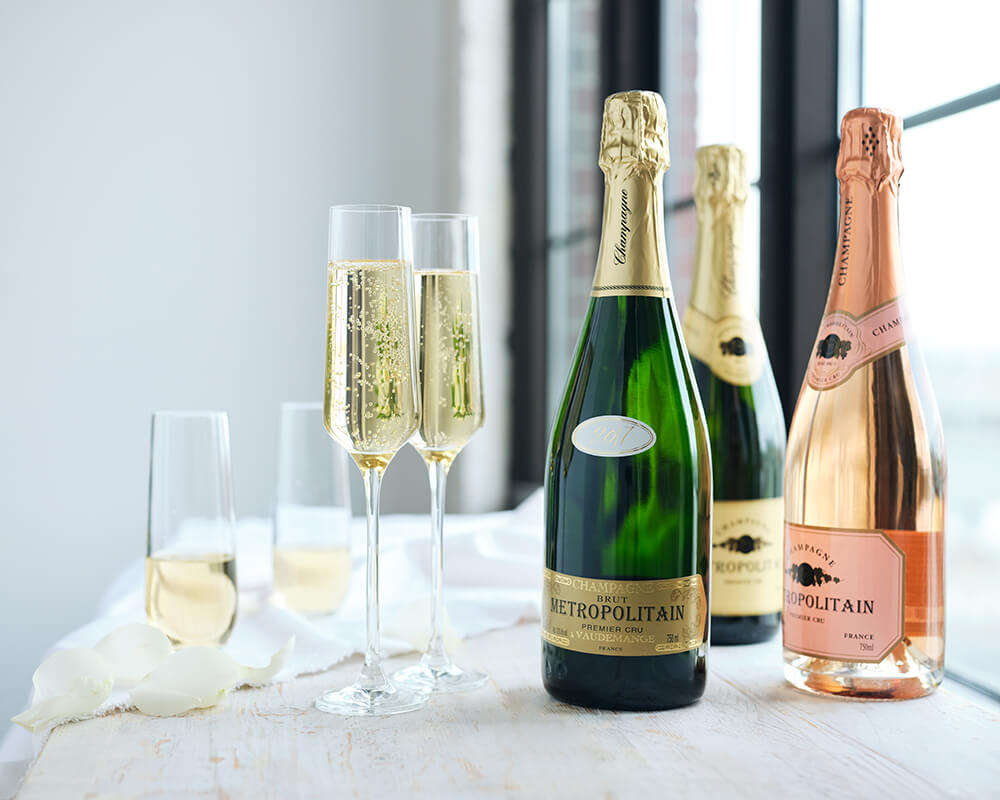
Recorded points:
(843,593)
(845,343)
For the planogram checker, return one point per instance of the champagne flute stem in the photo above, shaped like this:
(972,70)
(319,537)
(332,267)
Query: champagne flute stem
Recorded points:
(436,657)
(372,676)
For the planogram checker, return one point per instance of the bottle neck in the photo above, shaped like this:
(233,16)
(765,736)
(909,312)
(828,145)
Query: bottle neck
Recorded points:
(632,259)
(718,289)
(867,271)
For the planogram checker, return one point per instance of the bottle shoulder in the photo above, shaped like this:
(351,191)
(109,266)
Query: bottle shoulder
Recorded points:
(867,453)
(892,393)
(630,362)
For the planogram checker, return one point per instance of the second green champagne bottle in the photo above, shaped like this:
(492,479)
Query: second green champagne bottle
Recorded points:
(628,480)
(746,427)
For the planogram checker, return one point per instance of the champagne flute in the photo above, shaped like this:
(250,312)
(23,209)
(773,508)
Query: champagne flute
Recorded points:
(191,592)
(371,405)
(312,514)
(446,260)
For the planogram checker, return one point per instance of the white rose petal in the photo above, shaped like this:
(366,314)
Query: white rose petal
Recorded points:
(195,677)
(68,684)
(134,651)
(257,676)
(73,683)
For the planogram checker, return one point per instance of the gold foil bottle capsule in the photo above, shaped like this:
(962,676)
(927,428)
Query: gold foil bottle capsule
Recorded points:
(634,132)
(632,259)
(720,308)
(720,175)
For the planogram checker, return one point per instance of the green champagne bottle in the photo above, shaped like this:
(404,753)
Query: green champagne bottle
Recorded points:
(629,476)
(746,427)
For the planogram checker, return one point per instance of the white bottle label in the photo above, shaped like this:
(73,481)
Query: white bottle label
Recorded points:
(613,436)
(732,347)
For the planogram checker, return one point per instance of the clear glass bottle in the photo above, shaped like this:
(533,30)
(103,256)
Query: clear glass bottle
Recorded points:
(865,474)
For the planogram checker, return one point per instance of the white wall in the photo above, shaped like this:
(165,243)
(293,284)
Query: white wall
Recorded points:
(165,175)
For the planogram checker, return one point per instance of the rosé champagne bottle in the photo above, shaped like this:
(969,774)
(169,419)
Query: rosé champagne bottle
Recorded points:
(863,612)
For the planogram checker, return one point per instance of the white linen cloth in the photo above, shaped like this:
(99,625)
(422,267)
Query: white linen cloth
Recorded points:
(492,580)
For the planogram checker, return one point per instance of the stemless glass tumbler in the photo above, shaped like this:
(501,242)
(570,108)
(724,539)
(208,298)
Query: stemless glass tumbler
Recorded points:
(190,547)
(446,263)
(371,405)
(312,514)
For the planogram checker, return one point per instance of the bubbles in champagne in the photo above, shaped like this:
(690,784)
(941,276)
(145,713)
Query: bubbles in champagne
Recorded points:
(371,405)
(450,365)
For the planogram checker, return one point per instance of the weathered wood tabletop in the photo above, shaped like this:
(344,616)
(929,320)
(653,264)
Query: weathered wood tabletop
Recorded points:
(750,736)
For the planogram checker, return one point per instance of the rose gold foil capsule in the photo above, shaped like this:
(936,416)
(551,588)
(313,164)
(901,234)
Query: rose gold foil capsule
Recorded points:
(870,145)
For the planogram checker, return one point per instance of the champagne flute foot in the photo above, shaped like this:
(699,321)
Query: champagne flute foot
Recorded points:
(439,680)
(358,701)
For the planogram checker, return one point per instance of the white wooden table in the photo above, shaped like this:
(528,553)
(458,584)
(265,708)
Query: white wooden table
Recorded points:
(750,736)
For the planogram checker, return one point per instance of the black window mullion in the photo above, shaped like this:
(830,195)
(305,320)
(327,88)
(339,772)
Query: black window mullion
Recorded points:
(797,184)
(798,188)
(529,426)
(630,45)
(990,94)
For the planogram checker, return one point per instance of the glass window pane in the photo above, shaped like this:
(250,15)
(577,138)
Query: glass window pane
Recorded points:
(920,54)
(911,57)
(947,216)
(711,79)
(729,76)
(681,232)
(576,186)
(679,80)
(571,270)
(711,82)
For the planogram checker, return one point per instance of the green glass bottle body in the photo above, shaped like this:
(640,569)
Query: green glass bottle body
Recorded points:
(628,478)
(638,517)
(746,431)
(746,426)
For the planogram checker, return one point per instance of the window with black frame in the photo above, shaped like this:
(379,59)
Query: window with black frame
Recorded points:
(708,70)
(705,58)
(774,77)
(948,94)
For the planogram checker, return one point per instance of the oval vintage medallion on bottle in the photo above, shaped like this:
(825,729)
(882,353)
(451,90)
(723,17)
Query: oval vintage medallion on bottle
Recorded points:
(613,436)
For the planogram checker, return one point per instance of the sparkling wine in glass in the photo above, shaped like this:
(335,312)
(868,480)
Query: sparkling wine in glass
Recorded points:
(371,406)
(191,591)
(446,248)
(312,514)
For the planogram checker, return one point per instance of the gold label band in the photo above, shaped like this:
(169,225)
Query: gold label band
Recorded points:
(632,259)
(623,618)
(747,538)
(634,289)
